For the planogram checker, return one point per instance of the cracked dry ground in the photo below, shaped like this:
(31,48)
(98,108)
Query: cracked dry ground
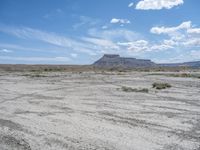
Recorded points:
(88,110)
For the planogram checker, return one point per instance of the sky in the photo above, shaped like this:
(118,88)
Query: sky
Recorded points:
(81,31)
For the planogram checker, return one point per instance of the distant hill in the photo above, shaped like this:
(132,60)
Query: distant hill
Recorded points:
(109,61)
(193,64)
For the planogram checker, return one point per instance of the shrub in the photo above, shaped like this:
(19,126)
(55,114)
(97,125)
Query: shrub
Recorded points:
(129,89)
(160,86)
(37,76)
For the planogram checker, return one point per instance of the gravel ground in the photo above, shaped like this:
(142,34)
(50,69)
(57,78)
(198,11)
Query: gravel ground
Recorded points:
(88,110)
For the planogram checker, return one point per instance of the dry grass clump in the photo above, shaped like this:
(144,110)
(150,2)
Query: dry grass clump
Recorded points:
(160,86)
(129,89)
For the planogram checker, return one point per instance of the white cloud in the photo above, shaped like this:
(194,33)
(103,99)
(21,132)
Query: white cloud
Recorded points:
(192,42)
(96,42)
(120,21)
(145,46)
(115,34)
(120,41)
(183,35)
(177,34)
(158,4)
(136,46)
(171,30)
(194,31)
(161,47)
(170,42)
(106,44)
(29,33)
(131,4)
(48,37)
(6,51)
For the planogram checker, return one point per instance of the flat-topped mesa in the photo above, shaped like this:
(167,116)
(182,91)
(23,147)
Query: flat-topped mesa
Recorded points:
(111,56)
(113,60)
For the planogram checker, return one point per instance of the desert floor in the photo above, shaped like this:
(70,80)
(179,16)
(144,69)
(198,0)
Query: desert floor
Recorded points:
(89,110)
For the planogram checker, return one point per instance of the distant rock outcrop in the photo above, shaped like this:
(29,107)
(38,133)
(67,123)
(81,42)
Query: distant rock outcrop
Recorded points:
(109,61)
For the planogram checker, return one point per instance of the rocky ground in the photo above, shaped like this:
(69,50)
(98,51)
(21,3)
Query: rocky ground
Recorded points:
(88,110)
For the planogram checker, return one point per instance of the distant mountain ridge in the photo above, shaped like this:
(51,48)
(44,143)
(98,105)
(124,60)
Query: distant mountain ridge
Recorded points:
(114,60)
(193,64)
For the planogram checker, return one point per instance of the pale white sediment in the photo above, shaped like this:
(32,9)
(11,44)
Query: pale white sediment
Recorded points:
(89,110)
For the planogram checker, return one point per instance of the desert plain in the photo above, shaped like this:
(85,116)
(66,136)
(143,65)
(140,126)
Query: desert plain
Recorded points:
(90,110)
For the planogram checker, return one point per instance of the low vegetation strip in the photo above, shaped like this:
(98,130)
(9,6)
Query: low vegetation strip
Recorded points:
(34,75)
(182,75)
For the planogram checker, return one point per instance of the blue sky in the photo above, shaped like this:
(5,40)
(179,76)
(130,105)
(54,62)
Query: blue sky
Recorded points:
(81,31)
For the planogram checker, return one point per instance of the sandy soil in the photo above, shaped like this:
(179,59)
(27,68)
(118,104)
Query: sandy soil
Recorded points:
(89,110)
